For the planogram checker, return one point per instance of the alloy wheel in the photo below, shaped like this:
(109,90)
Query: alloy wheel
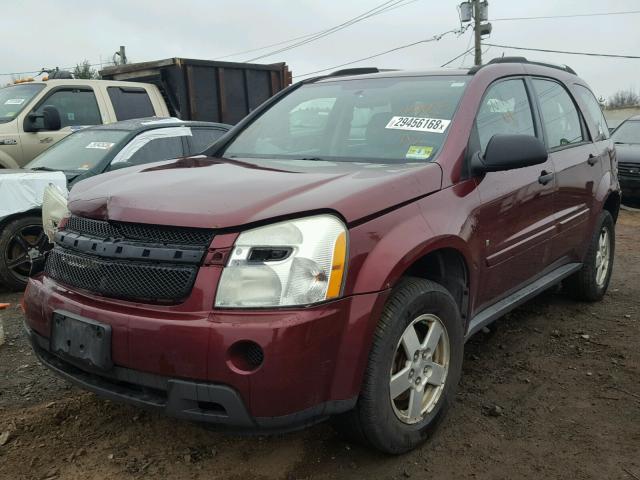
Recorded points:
(26,246)
(603,256)
(419,369)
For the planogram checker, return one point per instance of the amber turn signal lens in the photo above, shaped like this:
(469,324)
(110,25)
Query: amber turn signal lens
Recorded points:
(337,266)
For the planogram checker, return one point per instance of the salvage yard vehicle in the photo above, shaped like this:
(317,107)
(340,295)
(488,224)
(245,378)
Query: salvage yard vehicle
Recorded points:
(35,115)
(83,154)
(333,253)
(627,140)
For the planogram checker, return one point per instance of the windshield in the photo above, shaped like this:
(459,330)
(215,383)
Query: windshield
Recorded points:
(383,120)
(628,132)
(81,150)
(14,98)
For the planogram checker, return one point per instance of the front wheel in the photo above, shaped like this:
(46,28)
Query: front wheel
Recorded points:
(590,283)
(413,371)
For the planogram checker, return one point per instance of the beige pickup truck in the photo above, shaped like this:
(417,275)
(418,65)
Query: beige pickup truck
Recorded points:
(34,115)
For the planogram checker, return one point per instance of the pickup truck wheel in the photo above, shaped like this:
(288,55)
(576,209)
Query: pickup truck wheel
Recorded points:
(413,371)
(590,283)
(21,242)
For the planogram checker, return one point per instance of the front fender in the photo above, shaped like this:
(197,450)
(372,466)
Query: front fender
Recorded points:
(384,248)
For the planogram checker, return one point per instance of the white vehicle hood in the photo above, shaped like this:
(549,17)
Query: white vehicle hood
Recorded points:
(22,190)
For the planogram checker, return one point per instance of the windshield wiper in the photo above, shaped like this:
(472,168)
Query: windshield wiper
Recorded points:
(45,169)
(313,159)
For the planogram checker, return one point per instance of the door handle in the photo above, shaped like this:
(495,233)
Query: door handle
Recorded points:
(592,160)
(545,177)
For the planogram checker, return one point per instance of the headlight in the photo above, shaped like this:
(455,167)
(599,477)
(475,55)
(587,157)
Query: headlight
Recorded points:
(297,262)
(54,209)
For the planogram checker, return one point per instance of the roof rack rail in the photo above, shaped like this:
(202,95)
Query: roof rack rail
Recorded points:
(565,68)
(347,72)
(353,71)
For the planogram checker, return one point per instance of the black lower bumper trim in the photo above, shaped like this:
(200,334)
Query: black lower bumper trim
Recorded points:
(210,403)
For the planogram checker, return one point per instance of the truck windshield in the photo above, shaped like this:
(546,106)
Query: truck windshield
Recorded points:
(628,132)
(81,150)
(382,120)
(15,97)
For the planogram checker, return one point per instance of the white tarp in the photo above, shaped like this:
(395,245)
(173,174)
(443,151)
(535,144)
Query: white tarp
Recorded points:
(22,191)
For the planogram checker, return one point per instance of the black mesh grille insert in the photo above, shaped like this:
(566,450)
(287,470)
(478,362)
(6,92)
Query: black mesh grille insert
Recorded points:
(118,279)
(141,231)
(629,169)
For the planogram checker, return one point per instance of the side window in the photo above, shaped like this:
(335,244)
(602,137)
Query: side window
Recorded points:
(505,109)
(559,115)
(594,112)
(152,146)
(158,149)
(76,107)
(130,102)
(201,138)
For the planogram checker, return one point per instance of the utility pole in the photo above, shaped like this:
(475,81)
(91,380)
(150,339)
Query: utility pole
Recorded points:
(478,11)
(123,57)
(477,32)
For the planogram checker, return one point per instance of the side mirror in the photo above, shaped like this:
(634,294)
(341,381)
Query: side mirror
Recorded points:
(508,152)
(118,166)
(51,118)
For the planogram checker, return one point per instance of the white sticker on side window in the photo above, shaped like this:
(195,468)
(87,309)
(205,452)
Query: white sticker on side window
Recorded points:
(418,124)
(100,145)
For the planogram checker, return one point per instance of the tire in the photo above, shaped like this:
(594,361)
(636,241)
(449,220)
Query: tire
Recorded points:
(17,238)
(382,422)
(589,284)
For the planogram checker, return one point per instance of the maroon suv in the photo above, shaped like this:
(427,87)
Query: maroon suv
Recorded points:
(333,252)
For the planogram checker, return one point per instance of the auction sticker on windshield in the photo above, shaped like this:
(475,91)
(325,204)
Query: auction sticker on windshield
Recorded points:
(100,145)
(418,124)
(14,101)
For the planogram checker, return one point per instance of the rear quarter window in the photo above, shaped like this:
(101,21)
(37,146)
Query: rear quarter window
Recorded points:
(130,102)
(593,112)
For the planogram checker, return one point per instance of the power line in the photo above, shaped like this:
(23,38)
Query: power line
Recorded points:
(463,54)
(284,42)
(435,38)
(590,54)
(383,7)
(42,70)
(603,14)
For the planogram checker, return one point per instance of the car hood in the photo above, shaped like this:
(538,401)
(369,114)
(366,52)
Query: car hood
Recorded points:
(218,193)
(628,153)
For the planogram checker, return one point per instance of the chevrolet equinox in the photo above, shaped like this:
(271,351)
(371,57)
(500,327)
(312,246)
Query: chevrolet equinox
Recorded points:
(332,253)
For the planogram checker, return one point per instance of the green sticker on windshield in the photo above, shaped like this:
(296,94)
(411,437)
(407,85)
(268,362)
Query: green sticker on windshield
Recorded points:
(416,152)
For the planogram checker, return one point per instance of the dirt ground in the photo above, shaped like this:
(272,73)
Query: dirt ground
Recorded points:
(553,391)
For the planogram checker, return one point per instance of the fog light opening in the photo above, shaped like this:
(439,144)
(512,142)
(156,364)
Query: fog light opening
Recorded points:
(245,356)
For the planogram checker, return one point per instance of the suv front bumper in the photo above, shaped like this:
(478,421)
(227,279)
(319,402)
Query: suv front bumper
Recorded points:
(314,358)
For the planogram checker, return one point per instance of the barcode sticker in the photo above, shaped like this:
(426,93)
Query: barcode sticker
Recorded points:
(418,124)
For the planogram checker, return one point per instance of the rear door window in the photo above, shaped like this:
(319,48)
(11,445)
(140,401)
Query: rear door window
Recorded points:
(505,109)
(77,107)
(559,114)
(130,102)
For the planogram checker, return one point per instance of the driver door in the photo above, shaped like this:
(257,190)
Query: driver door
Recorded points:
(77,107)
(515,218)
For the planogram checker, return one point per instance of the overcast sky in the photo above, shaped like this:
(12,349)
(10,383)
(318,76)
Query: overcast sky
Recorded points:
(64,32)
